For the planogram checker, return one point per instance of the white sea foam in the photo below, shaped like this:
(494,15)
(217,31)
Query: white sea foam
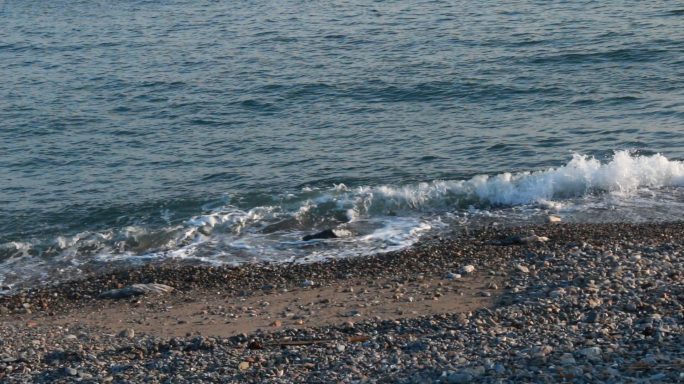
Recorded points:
(396,216)
(399,232)
(380,218)
(583,175)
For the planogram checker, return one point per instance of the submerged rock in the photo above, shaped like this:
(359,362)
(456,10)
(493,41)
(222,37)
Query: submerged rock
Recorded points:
(326,234)
(134,290)
(329,234)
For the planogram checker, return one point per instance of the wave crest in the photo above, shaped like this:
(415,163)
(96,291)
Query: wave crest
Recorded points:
(382,217)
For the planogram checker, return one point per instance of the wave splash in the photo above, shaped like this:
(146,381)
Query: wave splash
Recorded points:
(582,176)
(382,218)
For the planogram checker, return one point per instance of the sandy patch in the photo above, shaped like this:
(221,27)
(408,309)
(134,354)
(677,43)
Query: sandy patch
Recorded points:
(218,314)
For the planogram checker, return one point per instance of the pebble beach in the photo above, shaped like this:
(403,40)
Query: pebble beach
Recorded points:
(341,192)
(553,303)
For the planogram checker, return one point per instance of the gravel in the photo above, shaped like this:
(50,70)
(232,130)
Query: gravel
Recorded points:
(605,307)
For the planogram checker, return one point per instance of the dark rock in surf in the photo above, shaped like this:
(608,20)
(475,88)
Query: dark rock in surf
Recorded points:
(326,234)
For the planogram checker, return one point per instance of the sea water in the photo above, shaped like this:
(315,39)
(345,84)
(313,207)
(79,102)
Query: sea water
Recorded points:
(223,132)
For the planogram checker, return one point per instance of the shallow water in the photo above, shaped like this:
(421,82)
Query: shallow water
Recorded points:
(224,131)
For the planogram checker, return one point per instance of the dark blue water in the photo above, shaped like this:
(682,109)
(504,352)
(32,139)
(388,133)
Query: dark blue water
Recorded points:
(149,129)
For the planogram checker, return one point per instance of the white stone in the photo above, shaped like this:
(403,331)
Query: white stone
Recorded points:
(127,333)
(568,361)
(591,351)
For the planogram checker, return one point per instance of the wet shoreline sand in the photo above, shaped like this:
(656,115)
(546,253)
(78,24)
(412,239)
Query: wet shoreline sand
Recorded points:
(594,302)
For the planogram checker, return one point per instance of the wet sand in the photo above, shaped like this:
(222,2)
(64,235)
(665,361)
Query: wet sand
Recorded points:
(221,315)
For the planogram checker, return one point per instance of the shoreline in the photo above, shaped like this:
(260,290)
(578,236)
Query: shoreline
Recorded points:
(545,310)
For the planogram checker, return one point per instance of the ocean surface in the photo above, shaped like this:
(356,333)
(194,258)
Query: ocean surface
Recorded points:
(220,131)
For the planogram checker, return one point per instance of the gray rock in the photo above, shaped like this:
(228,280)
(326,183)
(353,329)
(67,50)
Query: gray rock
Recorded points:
(591,317)
(591,351)
(85,375)
(417,346)
(70,371)
(538,362)
(568,361)
(127,334)
(573,371)
(475,371)
(459,378)
(658,337)
(648,361)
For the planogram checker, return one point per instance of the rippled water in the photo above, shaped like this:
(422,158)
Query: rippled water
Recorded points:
(223,131)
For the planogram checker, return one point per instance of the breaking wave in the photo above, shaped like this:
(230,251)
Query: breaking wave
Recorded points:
(379,218)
